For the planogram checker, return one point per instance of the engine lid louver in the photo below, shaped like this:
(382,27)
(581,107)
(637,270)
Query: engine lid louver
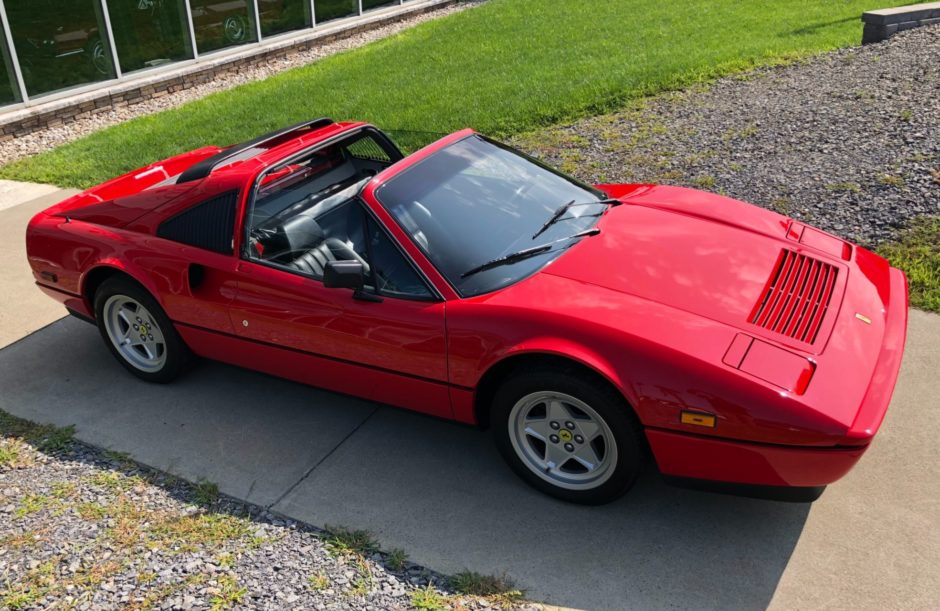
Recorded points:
(797,297)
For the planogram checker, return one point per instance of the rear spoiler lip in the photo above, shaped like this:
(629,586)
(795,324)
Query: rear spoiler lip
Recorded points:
(205,167)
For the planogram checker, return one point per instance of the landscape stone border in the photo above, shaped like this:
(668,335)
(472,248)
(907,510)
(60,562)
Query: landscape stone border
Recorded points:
(21,121)
(882,24)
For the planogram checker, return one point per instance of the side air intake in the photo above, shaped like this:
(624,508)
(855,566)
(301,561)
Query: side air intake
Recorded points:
(209,225)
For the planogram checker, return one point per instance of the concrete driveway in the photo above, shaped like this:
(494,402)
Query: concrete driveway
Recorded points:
(440,491)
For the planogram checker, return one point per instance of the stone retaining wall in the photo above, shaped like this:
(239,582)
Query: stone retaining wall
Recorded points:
(882,24)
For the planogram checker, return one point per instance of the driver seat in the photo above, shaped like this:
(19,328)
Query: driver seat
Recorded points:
(304,235)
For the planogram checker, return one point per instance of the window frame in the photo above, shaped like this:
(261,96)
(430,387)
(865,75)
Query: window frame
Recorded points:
(395,155)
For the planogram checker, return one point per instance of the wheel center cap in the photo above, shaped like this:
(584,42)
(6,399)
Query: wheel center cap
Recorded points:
(565,435)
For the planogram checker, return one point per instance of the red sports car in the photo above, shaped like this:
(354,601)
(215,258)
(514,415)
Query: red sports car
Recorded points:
(588,327)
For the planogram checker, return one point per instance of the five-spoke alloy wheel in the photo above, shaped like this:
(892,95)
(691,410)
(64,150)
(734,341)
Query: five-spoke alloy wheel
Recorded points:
(567,435)
(135,333)
(563,440)
(138,332)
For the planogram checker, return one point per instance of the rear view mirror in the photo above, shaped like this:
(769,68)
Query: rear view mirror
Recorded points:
(343,275)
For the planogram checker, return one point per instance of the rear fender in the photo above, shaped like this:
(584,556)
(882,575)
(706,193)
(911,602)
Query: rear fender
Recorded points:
(116,265)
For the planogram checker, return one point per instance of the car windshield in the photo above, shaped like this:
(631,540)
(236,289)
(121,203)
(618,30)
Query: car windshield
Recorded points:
(475,201)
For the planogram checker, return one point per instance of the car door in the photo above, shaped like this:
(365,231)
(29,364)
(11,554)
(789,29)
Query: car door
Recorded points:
(385,344)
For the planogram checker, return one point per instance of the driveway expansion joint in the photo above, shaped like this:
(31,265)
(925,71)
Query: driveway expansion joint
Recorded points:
(310,471)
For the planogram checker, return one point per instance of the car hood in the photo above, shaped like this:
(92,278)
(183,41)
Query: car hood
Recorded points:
(705,254)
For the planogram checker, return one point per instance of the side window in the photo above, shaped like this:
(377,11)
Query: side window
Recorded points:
(344,232)
(392,274)
(209,225)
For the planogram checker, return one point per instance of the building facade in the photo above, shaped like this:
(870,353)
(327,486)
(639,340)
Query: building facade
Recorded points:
(53,47)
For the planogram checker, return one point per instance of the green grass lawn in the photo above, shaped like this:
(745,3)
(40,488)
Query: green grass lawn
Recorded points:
(918,254)
(505,67)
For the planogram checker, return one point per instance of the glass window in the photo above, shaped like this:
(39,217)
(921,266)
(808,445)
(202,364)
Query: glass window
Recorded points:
(370,4)
(223,23)
(60,43)
(149,33)
(392,274)
(9,92)
(278,16)
(475,201)
(333,9)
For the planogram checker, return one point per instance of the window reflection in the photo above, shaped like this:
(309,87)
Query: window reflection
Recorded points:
(149,33)
(278,16)
(223,23)
(60,43)
(370,4)
(9,92)
(333,9)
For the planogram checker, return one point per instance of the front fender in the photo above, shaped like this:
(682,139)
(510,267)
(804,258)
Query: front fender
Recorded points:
(571,350)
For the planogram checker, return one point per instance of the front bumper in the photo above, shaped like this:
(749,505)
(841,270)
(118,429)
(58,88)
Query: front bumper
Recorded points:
(722,460)
(683,456)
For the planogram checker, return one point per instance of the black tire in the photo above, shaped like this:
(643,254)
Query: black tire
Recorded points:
(599,396)
(176,354)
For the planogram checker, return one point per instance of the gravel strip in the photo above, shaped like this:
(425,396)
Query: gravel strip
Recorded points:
(84,529)
(43,140)
(848,141)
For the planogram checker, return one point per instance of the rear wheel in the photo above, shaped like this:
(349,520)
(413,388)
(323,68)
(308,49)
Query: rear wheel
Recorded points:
(567,436)
(138,332)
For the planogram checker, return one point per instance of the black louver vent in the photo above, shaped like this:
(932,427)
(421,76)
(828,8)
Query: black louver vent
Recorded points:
(209,225)
(797,297)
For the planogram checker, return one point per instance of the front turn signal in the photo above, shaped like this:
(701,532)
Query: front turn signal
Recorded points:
(697,418)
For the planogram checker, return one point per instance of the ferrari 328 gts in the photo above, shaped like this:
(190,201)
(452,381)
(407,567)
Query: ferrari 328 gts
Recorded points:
(587,326)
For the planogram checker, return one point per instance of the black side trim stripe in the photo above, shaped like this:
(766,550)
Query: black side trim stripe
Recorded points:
(787,494)
(784,446)
(81,316)
(323,356)
(58,290)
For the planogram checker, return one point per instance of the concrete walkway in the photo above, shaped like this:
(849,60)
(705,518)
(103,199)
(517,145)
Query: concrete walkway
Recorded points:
(441,492)
(23,308)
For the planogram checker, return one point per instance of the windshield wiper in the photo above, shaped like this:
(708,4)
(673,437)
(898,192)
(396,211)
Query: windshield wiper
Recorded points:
(562,209)
(526,253)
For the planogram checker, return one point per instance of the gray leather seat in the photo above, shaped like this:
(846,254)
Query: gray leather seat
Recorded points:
(304,235)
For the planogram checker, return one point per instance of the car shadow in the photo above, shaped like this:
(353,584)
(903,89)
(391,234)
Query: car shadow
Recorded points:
(435,489)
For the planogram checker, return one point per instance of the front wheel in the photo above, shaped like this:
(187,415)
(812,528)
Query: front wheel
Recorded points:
(138,332)
(567,436)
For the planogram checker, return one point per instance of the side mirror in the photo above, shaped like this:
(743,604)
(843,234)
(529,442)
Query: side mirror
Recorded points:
(343,275)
